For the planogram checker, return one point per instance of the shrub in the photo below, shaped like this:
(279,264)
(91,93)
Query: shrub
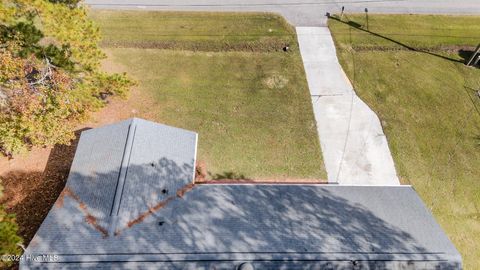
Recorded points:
(9,239)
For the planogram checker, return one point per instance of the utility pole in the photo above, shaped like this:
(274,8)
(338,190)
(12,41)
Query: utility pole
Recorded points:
(366,16)
(475,58)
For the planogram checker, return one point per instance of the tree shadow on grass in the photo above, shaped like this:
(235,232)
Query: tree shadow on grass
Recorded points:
(228,175)
(404,45)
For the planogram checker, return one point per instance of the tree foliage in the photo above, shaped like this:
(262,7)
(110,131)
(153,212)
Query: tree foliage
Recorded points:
(50,75)
(9,239)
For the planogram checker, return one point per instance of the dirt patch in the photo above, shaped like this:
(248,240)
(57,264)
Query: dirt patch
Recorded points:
(265,45)
(200,171)
(275,81)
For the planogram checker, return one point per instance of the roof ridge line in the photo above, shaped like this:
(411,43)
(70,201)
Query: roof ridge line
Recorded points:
(122,175)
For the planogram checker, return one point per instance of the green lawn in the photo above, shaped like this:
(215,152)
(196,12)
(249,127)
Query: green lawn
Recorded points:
(420,31)
(428,106)
(251,108)
(195,30)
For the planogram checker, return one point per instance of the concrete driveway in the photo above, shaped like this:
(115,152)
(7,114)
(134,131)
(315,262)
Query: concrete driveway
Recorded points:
(299,12)
(354,148)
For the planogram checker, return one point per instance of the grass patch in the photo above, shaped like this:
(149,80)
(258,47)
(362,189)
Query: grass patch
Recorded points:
(252,110)
(196,31)
(428,107)
(418,31)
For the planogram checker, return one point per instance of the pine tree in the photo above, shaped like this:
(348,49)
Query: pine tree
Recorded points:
(50,77)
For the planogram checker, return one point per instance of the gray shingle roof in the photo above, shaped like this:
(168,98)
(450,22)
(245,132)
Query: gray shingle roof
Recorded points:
(162,221)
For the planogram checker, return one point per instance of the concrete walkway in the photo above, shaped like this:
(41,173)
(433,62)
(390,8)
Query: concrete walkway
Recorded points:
(354,147)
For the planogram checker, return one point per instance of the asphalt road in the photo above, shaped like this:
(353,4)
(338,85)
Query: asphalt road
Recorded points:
(299,12)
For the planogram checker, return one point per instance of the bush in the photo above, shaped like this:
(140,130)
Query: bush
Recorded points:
(9,239)
(70,3)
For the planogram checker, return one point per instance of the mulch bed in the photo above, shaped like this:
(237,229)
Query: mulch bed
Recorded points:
(30,194)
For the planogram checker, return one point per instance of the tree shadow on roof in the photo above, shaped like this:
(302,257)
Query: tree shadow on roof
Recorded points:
(276,227)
